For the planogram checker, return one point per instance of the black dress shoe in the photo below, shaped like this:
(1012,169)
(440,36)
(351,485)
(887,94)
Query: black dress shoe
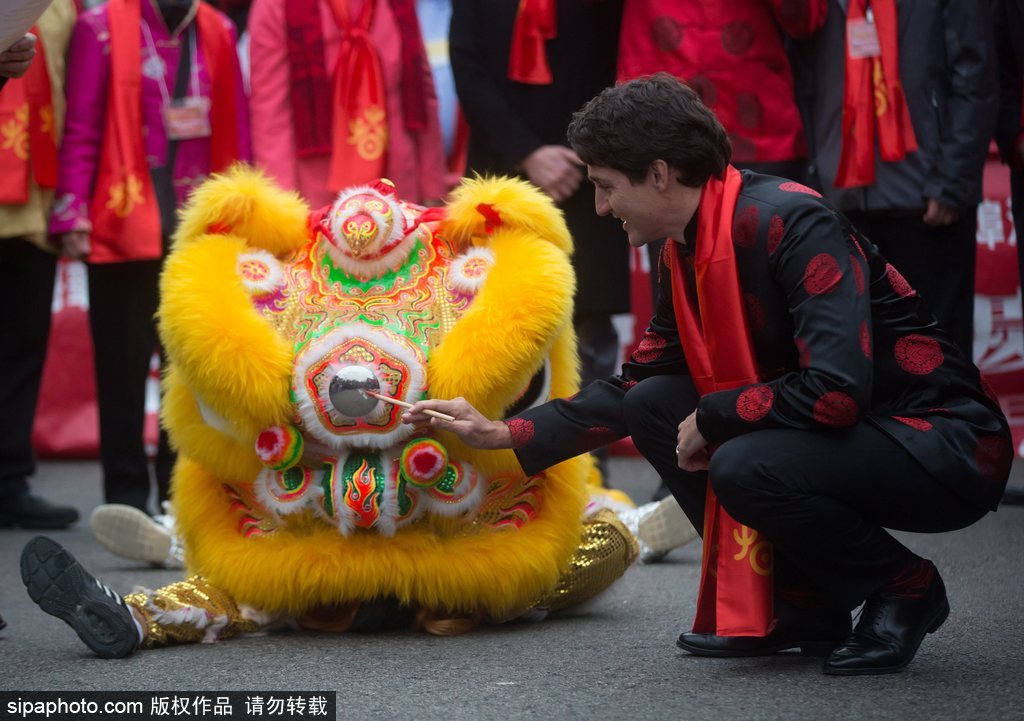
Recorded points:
(1013,496)
(814,631)
(29,511)
(889,632)
(62,588)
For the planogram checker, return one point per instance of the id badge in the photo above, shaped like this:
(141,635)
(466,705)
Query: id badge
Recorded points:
(862,39)
(187,118)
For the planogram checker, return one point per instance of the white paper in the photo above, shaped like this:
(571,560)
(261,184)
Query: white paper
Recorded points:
(16,17)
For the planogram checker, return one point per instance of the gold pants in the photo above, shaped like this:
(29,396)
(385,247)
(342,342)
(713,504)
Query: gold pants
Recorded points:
(193,610)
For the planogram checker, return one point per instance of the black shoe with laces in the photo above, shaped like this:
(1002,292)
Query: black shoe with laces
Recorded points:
(889,632)
(62,588)
(29,511)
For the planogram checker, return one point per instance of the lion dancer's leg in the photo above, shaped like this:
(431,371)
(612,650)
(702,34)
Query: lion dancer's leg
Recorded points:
(605,552)
(191,611)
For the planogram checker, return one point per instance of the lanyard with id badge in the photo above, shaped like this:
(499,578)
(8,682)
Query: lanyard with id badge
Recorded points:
(862,37)
(188,117)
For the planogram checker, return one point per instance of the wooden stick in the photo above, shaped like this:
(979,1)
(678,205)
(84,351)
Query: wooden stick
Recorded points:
(403,404)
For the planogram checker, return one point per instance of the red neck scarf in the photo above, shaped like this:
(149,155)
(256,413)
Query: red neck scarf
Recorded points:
(312,111)
(28,145)
(736,584)
(536,23)
(873,95)
(360,123)
(124,212)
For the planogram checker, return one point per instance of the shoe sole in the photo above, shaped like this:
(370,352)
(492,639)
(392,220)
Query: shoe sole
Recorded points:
(806,648)
(62,588)
(129,533)
(937,620)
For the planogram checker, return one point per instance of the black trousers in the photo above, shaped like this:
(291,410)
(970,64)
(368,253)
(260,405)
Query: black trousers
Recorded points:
(938,262)
(26,295)
(824,499)
(123,300)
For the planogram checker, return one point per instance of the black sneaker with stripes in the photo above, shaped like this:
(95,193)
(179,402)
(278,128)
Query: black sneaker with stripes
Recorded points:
(62,588)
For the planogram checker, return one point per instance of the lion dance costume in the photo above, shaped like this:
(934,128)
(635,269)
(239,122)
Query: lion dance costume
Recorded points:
(292,510)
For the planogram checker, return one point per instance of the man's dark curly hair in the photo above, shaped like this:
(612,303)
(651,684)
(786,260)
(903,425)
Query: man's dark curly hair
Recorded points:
(629,126)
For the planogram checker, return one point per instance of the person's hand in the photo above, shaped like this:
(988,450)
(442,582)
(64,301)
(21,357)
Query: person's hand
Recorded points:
(555,169)
(939,214)
(692,449)
(15,60)
(469,425)
(75,244)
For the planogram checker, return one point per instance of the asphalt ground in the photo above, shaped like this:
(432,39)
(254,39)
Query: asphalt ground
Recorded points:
(612,659)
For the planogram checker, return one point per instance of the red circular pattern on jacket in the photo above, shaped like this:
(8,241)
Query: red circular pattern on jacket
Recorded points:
(919,423)
(754,403)
(865,340)
(858,274)
(993,457)
(835,409)
(776,229)
(899,284)
(521,430)
(918,354)
(705,89)
(804,351)
(748,110)
(856,244)
(651,348)
(737,37)
(755,311)
(744,227)
(790,187)
(666,33)
(822,274)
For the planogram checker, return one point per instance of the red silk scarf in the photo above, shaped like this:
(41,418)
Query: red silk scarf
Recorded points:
(360,123)
(28,123)
(123,209)
(874,95)
(735,596)
(536,22)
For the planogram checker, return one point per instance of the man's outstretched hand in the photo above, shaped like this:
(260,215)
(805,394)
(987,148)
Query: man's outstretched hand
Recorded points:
(471,427)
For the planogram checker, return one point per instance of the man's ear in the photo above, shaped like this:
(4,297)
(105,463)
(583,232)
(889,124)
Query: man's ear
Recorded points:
(659,173)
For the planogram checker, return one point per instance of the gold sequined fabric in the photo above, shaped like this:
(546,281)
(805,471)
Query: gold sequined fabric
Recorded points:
(188,611)
(607,549)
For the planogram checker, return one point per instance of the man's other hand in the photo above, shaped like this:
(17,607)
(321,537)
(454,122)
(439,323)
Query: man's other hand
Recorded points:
(15,60)
(555,169)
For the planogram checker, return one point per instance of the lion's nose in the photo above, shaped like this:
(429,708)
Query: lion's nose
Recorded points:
(348,391)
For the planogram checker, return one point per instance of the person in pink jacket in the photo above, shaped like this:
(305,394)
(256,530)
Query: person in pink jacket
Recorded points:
(341,94)
(155,103)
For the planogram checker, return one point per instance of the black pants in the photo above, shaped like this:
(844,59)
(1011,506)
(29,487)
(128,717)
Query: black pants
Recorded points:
(123,300)
(938,262)
(26,295)
(824,499)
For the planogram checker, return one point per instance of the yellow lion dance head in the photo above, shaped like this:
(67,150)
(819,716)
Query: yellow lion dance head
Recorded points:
(292,500)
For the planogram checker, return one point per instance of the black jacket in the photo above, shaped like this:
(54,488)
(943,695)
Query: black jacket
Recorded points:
(840,337)
(509,120)
(947,69)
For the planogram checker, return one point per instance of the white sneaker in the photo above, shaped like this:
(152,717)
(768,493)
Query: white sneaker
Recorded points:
(129,533)
(659,527)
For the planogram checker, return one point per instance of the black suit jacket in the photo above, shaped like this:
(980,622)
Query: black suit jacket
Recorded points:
(509,120)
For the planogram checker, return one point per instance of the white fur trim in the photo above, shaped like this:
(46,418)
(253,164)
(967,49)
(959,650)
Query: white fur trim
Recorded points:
(470,282)
(274,273)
